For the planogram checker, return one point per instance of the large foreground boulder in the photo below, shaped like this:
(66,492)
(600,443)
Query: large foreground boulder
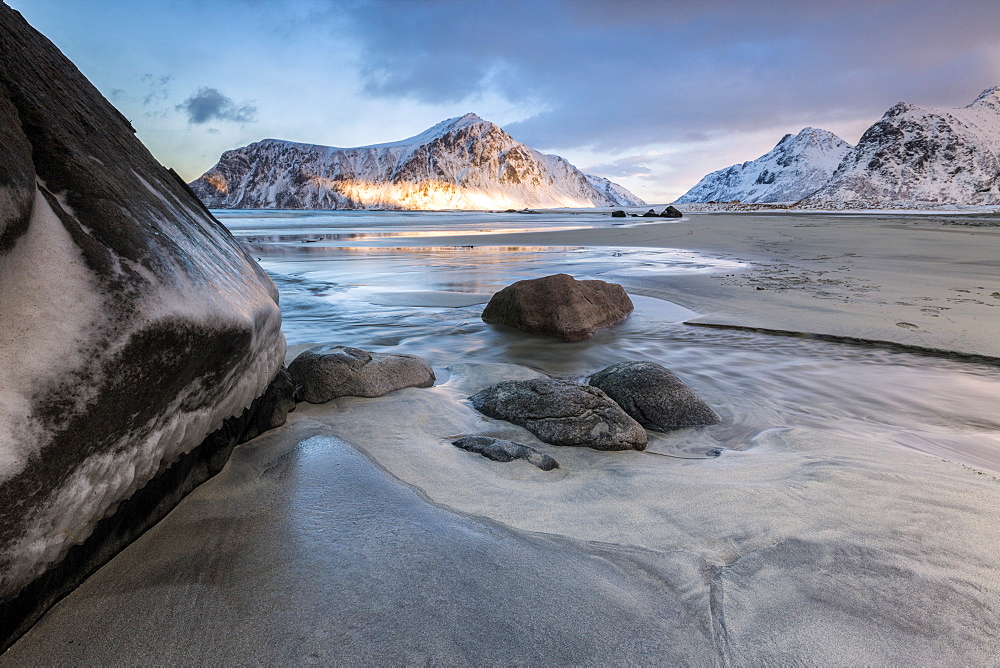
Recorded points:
(559,305)
(500,450)
(325,373)
(652,395)
(561,412)
(132,323)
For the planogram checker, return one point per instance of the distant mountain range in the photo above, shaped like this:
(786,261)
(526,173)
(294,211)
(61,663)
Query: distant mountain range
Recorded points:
(912,156)
(797,167)
(460,163)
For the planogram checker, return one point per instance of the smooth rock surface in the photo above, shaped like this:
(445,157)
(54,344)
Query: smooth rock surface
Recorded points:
(559,305)
(655,397)
(324,373)
(275,404)
(562,413)
(500,450)
(671,212)
(132,323)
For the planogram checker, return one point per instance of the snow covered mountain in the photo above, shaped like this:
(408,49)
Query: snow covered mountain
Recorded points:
(924,155)
(460,163)
(614,192)
(798,166)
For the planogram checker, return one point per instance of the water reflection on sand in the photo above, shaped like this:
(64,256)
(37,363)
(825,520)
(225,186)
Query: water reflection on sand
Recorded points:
(384,295)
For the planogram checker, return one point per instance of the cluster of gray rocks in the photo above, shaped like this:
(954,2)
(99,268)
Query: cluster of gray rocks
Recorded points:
(611,411)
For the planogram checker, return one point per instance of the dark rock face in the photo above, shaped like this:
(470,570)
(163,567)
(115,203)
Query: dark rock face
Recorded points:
(650,214)
(274,406)
(562,413)
(559,305)
(618,214)
(132,323)
(324,373)
(500,450)
(671,212)
(652,395)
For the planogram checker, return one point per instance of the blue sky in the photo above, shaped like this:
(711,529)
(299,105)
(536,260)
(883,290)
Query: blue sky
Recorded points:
(650,94)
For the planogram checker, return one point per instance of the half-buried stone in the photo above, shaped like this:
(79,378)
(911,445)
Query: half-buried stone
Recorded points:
(559,305)
(562,413)
(654,396)
(325,373)
(500,450)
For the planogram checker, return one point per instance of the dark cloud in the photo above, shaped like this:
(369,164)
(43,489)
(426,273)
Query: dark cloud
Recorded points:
(617,75)
(208,104)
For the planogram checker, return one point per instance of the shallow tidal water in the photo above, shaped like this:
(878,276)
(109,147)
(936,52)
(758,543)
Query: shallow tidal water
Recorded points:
(350,278)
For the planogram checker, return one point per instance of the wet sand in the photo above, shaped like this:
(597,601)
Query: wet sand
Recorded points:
(358,534)
(918,280)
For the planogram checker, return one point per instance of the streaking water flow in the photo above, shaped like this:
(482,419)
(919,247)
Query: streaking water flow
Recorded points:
(358,286)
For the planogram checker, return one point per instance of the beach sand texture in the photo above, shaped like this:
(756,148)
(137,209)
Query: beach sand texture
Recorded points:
(357,533)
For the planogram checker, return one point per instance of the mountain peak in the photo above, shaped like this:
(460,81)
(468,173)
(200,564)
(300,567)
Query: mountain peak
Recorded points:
(989,97)
(463,162)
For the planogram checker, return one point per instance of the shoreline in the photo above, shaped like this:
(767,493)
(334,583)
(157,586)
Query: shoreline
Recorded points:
(358,533)
(915,282)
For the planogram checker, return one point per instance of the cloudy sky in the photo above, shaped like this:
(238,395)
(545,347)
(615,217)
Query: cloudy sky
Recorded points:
(652,94)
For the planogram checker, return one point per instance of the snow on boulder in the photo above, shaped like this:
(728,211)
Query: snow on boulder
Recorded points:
(132,323)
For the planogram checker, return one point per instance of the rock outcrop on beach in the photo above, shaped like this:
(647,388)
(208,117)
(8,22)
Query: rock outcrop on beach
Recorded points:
(499,450)
(559,305)
(460,163)
(798,166)
(132,326)
(325,373)
(561,412)
(922,155)
(655,397)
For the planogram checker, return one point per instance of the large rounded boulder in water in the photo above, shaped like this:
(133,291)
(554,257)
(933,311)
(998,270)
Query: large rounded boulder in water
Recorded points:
(132,323)
(654,396)
(559,305)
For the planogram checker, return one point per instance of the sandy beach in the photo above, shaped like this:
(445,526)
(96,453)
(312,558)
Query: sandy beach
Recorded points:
(357,533)
(930,281)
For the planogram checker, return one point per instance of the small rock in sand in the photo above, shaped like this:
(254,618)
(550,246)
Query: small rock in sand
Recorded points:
(671,212)
(618,214)
(562,413)
(500,450)
(559,305)
(652,395)
(324,373)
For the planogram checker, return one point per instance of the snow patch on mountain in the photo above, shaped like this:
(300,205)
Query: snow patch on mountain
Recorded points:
(460,163)
(924,156)
(613,191)
(795,168)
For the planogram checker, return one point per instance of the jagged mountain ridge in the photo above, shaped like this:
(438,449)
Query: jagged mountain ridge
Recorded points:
(924,155)
(461,163)
(795,168)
